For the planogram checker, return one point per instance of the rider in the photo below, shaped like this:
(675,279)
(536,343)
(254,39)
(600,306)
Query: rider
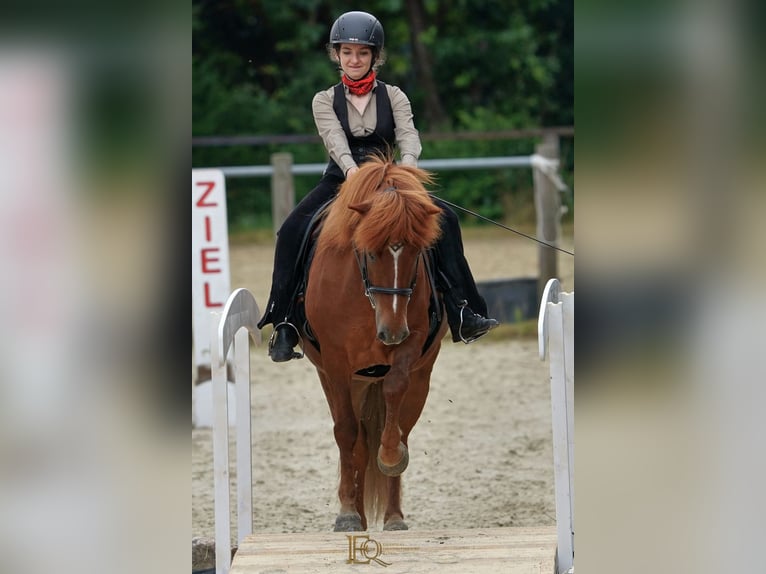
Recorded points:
(359,116)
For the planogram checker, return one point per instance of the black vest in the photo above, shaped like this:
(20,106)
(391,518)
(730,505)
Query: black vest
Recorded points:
(382,140)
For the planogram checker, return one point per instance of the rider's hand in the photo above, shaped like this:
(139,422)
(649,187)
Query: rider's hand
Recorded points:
(351,171)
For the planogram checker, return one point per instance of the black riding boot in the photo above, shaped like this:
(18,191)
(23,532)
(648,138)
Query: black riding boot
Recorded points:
(283,340)
(287,270)
(464,324)
(466,308)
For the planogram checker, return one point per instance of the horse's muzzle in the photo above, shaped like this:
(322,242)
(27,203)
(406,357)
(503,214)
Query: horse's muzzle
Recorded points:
(388,337)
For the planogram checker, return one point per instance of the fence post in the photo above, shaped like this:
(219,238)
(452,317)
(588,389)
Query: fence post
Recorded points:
(232,330)
(282,188)
(548,210)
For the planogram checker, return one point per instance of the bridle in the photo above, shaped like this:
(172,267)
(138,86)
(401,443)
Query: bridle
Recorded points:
(370,290)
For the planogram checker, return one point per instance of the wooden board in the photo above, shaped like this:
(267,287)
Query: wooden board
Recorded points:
(476,551)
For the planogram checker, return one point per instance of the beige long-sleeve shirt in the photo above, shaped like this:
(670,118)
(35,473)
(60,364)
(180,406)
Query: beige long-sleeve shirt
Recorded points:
(363,124)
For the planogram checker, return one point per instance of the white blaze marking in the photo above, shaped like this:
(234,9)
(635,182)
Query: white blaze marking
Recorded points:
(395,250)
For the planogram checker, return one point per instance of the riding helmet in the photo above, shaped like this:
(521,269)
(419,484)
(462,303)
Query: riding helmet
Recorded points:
(357,28)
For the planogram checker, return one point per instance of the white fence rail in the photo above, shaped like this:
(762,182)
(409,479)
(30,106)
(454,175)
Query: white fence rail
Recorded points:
(555,332)
(429,164)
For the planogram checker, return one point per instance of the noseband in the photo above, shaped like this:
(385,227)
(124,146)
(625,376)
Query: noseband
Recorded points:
(369,290)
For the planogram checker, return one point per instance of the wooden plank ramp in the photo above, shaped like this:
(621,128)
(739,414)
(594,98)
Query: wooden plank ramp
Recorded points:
(463,551)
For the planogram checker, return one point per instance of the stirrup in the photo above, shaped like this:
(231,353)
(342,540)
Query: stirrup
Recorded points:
(296,355)
(463,304)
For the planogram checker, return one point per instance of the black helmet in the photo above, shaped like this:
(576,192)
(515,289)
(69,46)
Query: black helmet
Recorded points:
(357,28)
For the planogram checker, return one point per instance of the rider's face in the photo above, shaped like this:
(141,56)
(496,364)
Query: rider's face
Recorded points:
(355,60)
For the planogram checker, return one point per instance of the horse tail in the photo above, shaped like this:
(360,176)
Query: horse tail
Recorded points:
(375,482)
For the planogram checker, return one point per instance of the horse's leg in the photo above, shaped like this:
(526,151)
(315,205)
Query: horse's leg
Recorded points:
(346,431)
(392,454)
(417,391)
(394,518)
(349,518)
(360,465)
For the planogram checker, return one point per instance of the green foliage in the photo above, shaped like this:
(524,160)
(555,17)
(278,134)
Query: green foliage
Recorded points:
(497,65)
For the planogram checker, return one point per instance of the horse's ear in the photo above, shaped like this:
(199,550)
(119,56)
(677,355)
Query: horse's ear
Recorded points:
(433,209)
(361,207)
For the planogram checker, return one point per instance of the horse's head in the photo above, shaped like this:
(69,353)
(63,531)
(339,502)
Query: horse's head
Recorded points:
(390,220)
(389,278)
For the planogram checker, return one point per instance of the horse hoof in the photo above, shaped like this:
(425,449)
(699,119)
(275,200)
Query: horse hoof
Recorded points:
(348,523)
(396,524)
(399,467)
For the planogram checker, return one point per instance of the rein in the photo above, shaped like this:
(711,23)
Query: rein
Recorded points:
(517,232)
(369,290)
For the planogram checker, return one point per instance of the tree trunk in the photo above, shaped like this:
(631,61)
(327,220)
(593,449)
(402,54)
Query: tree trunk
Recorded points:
(436,118)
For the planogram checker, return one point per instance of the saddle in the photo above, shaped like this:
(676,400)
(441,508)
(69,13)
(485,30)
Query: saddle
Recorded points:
(303,265)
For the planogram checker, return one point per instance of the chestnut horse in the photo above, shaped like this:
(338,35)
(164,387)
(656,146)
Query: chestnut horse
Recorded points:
(367,306)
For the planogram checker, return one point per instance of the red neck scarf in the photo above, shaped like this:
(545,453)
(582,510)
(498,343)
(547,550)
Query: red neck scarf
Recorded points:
(360,87)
